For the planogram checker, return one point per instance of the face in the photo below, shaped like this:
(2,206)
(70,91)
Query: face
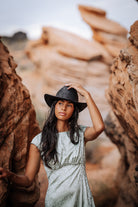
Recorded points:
(64,110)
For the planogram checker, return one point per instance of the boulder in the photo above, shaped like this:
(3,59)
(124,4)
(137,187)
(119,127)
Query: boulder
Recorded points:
(122,95)
(100,22)
(70,44)
(134,34)
(18,126)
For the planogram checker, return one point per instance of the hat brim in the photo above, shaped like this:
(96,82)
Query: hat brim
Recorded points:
(50,99)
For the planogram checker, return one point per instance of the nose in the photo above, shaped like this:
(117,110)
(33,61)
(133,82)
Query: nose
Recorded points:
(64,107)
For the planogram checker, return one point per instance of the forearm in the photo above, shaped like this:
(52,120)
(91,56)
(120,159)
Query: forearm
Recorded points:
(95,114)
(20,180)
(97,121)
(31,170)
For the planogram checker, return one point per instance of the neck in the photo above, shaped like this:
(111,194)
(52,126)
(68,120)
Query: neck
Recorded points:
(62,126)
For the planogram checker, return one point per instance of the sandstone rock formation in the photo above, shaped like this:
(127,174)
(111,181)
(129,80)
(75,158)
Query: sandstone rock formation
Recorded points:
(123,97)
(61,57)
(17,128)
(110,34)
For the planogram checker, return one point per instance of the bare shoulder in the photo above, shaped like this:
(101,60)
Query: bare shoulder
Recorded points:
(34,149)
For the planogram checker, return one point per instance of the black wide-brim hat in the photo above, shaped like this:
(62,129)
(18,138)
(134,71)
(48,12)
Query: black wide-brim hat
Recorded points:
(65,94)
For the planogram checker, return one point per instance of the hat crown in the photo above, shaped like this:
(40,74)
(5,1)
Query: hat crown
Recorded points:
(68,94)
(65,94)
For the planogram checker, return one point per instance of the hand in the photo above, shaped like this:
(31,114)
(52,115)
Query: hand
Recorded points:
(3,173)
(82,91)
(97,127)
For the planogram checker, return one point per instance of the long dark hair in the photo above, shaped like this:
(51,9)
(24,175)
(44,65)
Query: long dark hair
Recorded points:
(49,134)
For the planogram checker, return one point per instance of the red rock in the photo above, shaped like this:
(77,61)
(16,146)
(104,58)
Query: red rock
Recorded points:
(134,34)
(18,126)
(122,94)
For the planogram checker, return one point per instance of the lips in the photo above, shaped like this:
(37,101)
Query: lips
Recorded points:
(62,114)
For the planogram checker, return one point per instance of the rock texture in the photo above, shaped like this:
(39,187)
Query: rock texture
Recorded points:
(123,97)
(17,128)
(109,33)
(60,57)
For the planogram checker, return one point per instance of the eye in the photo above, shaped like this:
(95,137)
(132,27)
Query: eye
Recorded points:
(60,102)
(70,105)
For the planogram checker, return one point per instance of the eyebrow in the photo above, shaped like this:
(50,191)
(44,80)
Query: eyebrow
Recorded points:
(66,100)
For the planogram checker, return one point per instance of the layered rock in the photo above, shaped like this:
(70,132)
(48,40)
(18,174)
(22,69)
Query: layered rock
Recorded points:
(18,126)
(110,34)
(123,97)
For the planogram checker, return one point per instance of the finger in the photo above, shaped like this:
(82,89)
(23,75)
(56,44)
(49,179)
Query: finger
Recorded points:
(72,85)
(69,85)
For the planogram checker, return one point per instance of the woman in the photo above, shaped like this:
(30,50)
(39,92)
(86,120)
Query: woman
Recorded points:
(61,147)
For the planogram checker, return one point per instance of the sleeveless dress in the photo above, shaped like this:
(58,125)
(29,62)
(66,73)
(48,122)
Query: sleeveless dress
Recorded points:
(68,185)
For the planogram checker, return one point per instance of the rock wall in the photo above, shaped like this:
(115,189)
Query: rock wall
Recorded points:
(122,95)
(17,128)
(60,57)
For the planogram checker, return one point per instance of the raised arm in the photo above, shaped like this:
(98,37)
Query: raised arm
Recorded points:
(92,132)
(32,169)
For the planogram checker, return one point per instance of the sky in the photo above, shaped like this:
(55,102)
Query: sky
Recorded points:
(31,15)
